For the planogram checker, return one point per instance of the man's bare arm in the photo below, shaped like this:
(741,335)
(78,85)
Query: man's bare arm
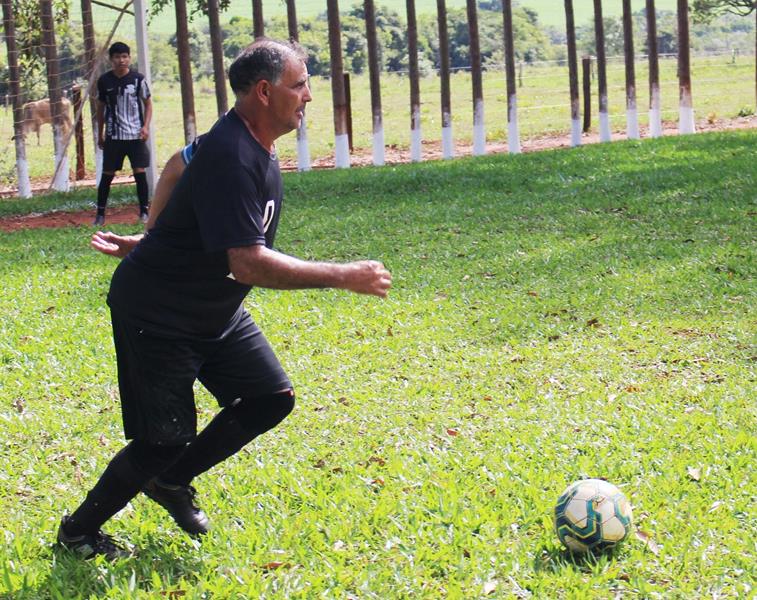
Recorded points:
(119,246)
(262,267)
(167,181)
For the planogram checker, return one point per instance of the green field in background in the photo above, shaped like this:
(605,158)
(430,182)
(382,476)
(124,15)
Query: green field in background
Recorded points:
(543,107)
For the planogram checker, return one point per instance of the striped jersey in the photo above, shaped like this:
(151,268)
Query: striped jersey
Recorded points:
(124,104)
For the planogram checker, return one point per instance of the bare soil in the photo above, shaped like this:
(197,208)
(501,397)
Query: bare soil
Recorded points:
(358,158)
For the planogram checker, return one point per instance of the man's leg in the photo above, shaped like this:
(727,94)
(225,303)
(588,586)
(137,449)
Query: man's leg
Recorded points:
(239,373)
(230,431)
(140,178)
(103,191)
(139,157)
(123,478)
(113,160)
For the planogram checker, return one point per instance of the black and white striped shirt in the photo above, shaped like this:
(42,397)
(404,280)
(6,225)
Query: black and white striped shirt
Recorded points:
(124,104)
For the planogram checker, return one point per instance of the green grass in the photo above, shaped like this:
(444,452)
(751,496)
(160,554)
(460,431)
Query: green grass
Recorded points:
(586,312)
(543,103)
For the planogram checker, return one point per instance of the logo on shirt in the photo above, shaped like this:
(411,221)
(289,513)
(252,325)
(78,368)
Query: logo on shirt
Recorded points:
(270,207)
(130,89)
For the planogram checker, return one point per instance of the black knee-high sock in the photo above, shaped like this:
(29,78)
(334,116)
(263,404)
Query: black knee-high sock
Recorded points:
(230,430)
(102,192)
(141,181)
(121,481)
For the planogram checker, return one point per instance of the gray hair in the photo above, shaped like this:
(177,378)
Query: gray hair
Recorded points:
(264,59)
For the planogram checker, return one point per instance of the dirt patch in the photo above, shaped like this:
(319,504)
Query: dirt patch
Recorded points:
(117,215)
(360,157)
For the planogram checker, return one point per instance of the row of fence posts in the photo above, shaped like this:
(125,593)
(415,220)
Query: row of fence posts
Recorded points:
(340,79)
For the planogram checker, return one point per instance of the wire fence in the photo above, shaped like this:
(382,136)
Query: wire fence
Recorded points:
(543,105)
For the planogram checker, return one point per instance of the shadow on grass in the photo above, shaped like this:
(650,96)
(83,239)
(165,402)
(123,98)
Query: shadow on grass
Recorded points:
(551,559)
(70,577)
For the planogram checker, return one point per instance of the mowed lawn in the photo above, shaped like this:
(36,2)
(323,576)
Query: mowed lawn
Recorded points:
(566,314)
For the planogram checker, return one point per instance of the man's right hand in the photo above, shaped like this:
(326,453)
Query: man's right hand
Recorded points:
(368,277)
(113,244)
(100,141)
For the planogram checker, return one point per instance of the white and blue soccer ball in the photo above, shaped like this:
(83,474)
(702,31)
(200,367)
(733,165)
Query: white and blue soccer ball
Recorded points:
(592,515)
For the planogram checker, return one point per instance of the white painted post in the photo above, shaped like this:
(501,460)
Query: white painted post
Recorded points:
(655,115)
(448,142)
(513,131)
(378,141)
(303,151)
(140,24)
(415,136)
(342,151)
(479,130)
(61,181)
(575,132)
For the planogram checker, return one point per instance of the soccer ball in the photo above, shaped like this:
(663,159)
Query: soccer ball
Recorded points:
(592,515)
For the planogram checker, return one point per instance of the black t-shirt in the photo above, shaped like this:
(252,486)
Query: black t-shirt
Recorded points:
(124,104)
(177,281)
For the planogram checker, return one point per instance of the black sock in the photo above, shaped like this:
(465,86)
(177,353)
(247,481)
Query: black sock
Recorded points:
(141,181)
(102,192)
(231,429)
(121,481)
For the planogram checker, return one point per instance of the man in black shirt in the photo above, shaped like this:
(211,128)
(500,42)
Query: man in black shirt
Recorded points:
(124,111)
(176,306)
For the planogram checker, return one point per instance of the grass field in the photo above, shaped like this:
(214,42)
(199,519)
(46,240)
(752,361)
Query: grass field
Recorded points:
(543,102)
(586,312)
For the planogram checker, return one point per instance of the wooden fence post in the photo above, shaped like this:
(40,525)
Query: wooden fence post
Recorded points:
(258,25)
(415,90)
(374,72)
(303,151)
(216,47)
(599,34)
(586,79)
(575,107)
(60,181)
(448,143)
(685,105)
(341,136)
(655,113)
(22,166)
(185,72)
(477,84)
(513,133)
(79,133)
(632,117)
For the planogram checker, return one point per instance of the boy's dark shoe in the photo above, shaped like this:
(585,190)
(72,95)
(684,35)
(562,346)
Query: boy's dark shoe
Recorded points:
(89,546)
(178,500)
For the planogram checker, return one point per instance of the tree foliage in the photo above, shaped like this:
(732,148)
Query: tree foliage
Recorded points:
(31,56)
(706,10)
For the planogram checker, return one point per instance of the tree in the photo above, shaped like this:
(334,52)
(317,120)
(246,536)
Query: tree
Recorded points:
(31,57)
(704,10)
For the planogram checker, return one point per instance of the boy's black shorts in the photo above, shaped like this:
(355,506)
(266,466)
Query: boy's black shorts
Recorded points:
(156,375)
(114,152)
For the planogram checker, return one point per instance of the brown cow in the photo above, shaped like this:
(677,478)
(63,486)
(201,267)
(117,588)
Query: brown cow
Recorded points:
(38,113)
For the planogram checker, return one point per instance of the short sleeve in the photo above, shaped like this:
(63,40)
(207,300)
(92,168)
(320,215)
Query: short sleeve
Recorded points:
(230,214)
(101,90)
(145,89)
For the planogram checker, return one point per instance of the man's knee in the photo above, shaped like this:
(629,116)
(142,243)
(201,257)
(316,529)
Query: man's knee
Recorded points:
(153,459)
(261,413)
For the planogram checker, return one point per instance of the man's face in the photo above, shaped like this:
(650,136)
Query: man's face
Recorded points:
(120,61)
(289,96)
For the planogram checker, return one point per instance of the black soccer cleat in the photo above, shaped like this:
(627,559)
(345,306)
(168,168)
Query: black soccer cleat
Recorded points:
(89,546)
(178,500)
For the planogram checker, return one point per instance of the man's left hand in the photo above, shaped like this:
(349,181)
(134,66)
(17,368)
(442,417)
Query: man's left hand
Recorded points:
(113,244)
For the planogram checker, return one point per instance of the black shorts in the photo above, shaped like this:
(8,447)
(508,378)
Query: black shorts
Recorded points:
(114,152)
(156,375)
